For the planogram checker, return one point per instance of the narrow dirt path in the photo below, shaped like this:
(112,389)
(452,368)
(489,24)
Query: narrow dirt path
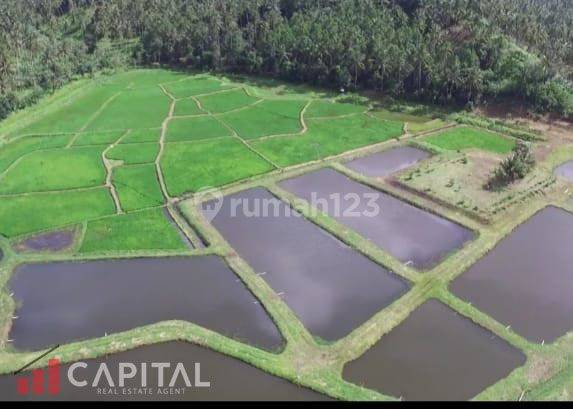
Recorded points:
(92,118)
(109,165)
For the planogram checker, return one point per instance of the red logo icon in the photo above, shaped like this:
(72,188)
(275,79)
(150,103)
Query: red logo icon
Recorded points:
(38,380)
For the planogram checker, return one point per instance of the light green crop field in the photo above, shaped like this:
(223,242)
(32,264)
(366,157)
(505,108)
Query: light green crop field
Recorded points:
(12,151)
(470,138)
(23,214)
(133,109)
(134,153)
(196,86)
(137,187)
(141,135)
(42,171)
(194,129)
(327,109)
(187,106)
(74,116)
(326,137)
(97,138)
(226,101)
(124,158)
(277,117)
(214,163)
(144,230)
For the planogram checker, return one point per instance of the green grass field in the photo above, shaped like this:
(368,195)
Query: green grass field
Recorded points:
(326,109)
(73,117)
(98,138)
(267,118)
(214,163)
(458,139)
(18,148)
(59,169)
(137,187)
(133,109)
(134,153)
(226,101)
(187,107)
(142,135)
(27,214)
(326,137)
(194,129)
(195,86)
(144,230)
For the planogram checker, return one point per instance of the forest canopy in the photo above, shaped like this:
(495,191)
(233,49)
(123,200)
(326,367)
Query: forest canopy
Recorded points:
(463,52)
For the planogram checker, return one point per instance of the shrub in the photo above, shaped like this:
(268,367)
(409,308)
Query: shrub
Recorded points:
(516,166)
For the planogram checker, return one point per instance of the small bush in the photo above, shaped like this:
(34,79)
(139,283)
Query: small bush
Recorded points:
(516,166)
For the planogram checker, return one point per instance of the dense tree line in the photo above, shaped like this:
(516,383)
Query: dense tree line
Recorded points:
(446,51)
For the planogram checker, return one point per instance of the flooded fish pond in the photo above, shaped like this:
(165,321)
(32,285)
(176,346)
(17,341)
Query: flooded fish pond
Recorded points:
(387,162)
(67,301)
(435,354)
(527,280)
(410,234)
(565,171)
(227,378)
(330,286)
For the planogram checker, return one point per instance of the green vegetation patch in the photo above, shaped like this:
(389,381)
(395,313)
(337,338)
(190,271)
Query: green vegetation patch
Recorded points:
(145,230)
(278,117)
(190,166)
(142,135)
(57,169)
(190,129)
(27,214)
(327,109)
(72,117)
(226,101)
(195,86)
(187,107)
(137,187)
(417,127)
(326,137)
(461,138)
(12,151)
(98,138)
(134,153)
(135,109)
(142,78)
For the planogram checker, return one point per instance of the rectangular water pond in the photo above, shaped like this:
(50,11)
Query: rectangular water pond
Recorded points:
(412,235)
(435,354)
(526,281)
(228,378)
(565,171)
(64,302)
(330,286)
(387,162)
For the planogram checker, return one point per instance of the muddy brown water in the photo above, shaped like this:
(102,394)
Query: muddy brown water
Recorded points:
(64,302)
(387,162)
(565,171)
(54,241)
(526,281)
(412,235)
(228,378)
(435,354)
(331,287)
